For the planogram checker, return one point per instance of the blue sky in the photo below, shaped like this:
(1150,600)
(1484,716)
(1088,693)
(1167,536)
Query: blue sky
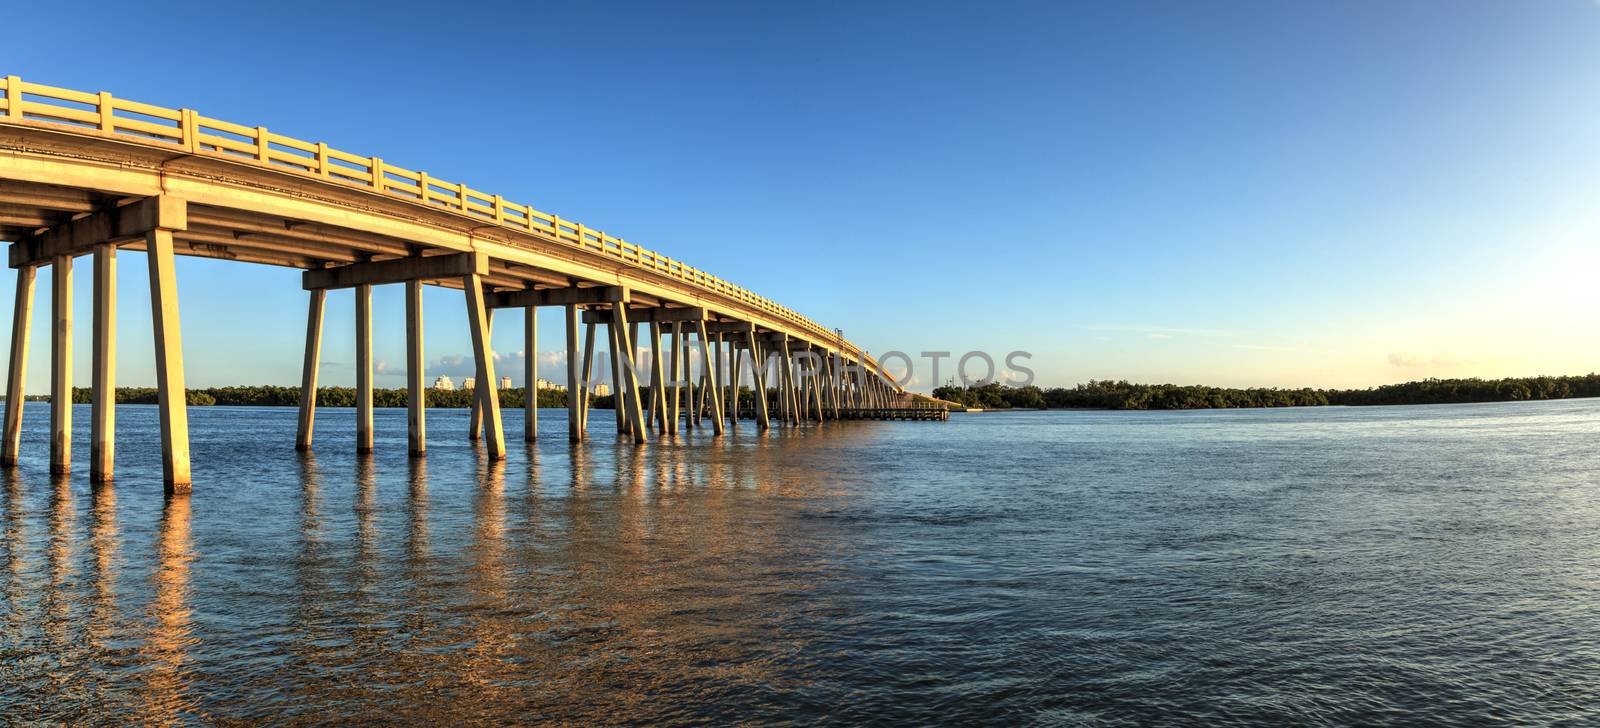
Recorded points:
(1238,193)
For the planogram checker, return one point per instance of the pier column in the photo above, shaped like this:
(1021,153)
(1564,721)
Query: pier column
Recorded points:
(416,376)
(475,406)
(171,394)
(588,376)
(818,381)
(791,399)
(61,365)
(530,373)
(733,381)
(103,423)
(17,375)
(615,337)
(308,373)
(658,397)
(573,410)
(629,399)
(710,389)
(364,368)
(488,398)
(675,347)
(758,380)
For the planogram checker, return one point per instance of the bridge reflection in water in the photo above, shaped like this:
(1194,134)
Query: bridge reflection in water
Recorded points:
(561,583)
(89,174)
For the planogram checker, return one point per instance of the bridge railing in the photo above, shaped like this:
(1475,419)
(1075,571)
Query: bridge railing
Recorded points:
(102,114)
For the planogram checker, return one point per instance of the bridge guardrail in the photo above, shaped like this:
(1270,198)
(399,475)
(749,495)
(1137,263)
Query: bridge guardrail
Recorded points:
(102,114)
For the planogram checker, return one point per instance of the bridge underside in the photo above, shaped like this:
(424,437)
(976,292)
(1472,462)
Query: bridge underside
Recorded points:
(64,195)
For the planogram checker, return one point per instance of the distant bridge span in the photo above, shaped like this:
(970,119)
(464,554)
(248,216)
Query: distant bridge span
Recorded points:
(87,173)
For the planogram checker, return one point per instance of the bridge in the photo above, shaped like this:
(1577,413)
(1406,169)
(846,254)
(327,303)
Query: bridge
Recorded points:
(88,173)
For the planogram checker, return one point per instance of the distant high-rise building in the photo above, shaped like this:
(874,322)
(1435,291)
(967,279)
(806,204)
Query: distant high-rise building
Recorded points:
(469,383)
(544,384)
(505,382)
(444,383)
(601,390)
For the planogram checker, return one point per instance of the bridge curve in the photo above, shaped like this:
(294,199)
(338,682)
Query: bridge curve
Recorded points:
(88,173)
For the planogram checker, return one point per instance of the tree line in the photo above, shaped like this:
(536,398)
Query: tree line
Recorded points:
(275,396)
(1123,395)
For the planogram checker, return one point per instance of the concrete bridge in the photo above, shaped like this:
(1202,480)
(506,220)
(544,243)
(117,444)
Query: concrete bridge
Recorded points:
(88,173)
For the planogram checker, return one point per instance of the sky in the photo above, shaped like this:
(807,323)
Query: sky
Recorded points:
(1231,193)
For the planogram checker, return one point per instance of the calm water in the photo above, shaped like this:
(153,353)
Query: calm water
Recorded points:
(1417,564)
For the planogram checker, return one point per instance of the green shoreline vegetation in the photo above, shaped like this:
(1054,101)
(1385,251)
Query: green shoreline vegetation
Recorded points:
(1122,395)
(1118,395)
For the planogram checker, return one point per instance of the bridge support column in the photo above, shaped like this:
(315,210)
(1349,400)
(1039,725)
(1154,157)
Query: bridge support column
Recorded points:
(633,360)
(61,365)
(615,336)
(758,378)
(475,412)
(171,394)
(834,383)
(574,411)
(688,379)
(819,383)
(478,318)
(308,374)
(791,398)
(676,349)
(627,399)
(733,381)
(710,389)
(416,384)
(657,394)
(364,368)
(530,373)
(588,377)
(17,375)
(103,423)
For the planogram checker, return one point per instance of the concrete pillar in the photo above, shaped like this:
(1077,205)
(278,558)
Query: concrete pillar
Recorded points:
(658,397)
(629,399)
(416,375)
(818,381)
(103,422)
(573,409)
(61,366)
(615,337)
(475,405)
(733,381)
(363,368)
(676,352)
(690,418)
(588,376)
(758,378)
(488,398)
(710,389)
(171,394)
(530,373)
(17,375)
(790,396)
(308,373)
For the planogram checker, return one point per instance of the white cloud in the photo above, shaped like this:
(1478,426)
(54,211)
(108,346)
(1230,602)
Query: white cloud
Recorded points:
(1408,360)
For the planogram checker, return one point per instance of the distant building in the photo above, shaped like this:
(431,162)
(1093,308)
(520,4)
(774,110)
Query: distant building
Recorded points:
(444,383)
(469,383)
(544,384)
(505,382)
(601,390)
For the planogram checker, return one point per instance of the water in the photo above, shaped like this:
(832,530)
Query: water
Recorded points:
(1414,564)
